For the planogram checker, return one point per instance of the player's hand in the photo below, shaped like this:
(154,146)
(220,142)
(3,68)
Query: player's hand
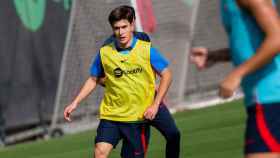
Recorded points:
(229,85)
(198,56)
(68,110)
(151,112)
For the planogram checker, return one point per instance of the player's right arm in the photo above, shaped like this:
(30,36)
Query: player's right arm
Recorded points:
(96,74)
(87,88)
(203,58)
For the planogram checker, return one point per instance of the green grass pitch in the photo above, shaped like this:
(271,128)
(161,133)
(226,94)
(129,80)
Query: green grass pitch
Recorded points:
(213,132)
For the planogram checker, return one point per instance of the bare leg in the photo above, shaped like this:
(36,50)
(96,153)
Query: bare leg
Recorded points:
(102,150)
(263,155)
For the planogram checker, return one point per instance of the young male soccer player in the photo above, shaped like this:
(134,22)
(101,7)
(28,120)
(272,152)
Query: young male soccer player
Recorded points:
(129,86)
(253,28)
(163,120)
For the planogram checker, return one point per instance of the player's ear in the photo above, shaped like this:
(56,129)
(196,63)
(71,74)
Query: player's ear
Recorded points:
(133,25)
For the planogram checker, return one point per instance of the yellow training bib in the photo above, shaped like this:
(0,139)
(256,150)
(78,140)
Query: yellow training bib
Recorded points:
(130,82)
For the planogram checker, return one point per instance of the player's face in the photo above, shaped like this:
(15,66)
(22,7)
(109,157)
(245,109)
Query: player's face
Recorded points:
(123,31)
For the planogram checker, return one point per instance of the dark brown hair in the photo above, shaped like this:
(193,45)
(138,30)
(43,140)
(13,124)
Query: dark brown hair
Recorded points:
(123,12)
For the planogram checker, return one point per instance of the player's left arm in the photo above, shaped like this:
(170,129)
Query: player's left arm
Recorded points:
(161,66)
(165,82)
(268,19)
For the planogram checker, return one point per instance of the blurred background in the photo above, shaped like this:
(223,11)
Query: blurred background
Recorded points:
(47,46)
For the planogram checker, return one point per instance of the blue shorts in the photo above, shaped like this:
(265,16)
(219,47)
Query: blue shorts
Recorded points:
(164,123)
(133,134)
(263,128)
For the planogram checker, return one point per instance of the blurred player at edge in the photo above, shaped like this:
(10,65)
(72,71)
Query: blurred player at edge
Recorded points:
(253,28)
